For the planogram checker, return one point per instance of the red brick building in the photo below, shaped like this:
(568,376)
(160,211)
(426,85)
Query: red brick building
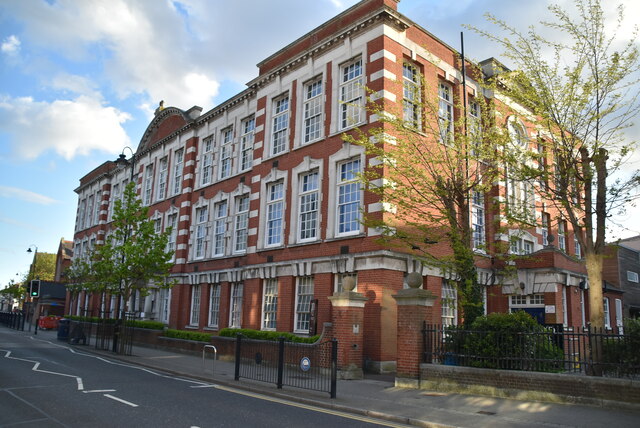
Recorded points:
(262,197)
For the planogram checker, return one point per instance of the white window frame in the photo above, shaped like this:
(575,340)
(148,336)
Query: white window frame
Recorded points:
(312,110)
(632,276)
(206,176)
(247,127)
(172,221)
(308,206)
(200,240)
(583,314)
(478,221)
(577,248)
(412,92)
(545,228)
(445,112)
(280,124)
(274,229)
(98,208)
(162,178)
(304,296)
(619,317)
(517,133)
(351,94)
(225,163)
(194,312)
(214,306)
(241,224)
(475,125)
(235,305)
(519,301)
(115,195)
(178,165)
(220,212)
(269,304)
(448,304)
(607,313)
(165,304)
(89,212)
(148,185)
(348,185)
(562,235)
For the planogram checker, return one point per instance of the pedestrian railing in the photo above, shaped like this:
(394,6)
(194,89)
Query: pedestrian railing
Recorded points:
(14,320)
(591,351)
(298,365)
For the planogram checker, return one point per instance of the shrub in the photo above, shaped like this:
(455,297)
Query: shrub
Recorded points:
(621,355)
(267,335)
(188,335)
(506,341)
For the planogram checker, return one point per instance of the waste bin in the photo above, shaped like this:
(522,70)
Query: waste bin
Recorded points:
(63,329)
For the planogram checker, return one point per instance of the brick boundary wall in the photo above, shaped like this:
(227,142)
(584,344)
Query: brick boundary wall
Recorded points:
(549,387)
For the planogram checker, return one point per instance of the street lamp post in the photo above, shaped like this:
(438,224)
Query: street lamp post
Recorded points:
(32,274)
(122,161)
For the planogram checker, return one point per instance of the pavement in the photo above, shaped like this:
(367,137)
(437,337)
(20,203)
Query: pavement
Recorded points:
(376,396)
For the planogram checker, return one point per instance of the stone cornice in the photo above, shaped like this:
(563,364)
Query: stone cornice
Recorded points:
(384,15)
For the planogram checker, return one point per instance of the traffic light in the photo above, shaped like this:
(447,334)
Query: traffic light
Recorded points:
(34,289)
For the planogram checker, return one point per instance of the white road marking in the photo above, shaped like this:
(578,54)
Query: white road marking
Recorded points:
(204,386)
(35,368)
(99,390)
(121,400)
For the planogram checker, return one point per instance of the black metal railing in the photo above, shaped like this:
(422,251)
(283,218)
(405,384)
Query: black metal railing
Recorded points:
(115,334)
(592,351)
(299,365)
(15,320)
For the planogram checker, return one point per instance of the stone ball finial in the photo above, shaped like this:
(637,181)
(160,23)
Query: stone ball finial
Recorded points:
(414,280)
(348,283)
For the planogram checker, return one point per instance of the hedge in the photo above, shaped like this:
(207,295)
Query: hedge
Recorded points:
(188,335)
(267,335)
(151,325)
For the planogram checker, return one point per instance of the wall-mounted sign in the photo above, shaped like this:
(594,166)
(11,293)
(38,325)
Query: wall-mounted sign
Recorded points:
(305,364)
(550,309)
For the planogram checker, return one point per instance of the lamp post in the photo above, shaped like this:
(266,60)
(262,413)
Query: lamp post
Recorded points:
(32,274)
(123,162)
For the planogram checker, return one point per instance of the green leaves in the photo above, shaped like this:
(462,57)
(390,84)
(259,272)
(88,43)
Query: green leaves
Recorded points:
(133,256)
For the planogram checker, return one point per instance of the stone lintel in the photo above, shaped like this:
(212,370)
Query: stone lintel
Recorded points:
(414,297)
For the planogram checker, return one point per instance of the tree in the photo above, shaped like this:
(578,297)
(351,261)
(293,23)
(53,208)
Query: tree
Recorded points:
(429,168)
(78,278)
(14,290)
(43,267)
(581,100)
(133,256)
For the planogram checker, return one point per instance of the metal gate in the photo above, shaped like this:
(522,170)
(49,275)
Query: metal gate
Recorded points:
(299,365)
(116,335)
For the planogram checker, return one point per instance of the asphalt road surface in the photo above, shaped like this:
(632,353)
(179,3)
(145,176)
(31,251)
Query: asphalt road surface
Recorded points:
(46,383)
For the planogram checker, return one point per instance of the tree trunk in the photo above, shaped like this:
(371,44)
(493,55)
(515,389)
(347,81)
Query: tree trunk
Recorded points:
(594,263)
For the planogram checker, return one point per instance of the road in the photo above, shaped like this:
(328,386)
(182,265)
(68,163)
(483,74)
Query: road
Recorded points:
(45,383)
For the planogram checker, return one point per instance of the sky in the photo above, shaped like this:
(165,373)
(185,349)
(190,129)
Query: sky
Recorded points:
(80,80)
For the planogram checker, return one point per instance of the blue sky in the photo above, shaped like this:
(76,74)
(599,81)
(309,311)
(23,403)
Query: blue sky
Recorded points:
(79,81)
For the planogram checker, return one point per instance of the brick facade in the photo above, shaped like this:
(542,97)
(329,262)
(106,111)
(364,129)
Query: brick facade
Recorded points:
(236,180)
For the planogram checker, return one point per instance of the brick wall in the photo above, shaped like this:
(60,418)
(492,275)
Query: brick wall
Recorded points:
(540,386)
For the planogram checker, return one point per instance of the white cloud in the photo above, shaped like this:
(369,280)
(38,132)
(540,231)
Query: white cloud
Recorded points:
(67,127)
(176,51)
(10,45)
(25,195)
